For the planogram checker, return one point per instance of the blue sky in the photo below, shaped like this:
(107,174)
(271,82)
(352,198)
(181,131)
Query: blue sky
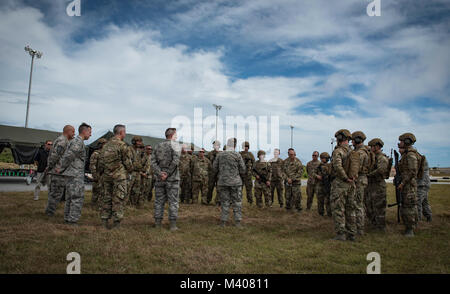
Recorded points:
(318,65)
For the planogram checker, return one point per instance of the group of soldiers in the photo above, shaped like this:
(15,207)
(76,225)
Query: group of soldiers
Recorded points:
(351,188)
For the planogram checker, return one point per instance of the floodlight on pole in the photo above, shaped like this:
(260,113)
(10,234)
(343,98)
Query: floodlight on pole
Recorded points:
(218,107)
(33,53)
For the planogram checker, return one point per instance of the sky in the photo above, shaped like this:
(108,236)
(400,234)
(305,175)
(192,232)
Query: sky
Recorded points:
(316,65)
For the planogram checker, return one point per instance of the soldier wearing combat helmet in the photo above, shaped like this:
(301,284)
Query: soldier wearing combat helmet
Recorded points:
(249,161)
(262,171)
(97,183)
(324,185)
(138,160)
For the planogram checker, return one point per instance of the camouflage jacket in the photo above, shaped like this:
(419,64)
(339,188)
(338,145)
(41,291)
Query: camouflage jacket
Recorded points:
(262,169)
(229,167)
(323,170)
(409,167)
(379,169)
(74,159)
(360,158)
(137,159)
(425,180)
(311,170)
(166,158)
(115,160)
(93,164)
(277,169)
(293,169)
(56,153)
(147,166)
(340,162)
(200,168)
(212,156)
(249,161)
(185,165)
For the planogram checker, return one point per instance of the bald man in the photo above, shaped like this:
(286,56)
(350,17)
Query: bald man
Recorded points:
(57,181)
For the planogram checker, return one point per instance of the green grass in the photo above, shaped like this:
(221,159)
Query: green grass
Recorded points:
(272,241)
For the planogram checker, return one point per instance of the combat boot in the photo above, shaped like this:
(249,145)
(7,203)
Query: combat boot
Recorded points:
(158,223)
(409,233)
(223,224)
(351,238)
(116,224)
(106,224)
(238,224)
(429,219)
(173,226)
(360,232)
(340,237)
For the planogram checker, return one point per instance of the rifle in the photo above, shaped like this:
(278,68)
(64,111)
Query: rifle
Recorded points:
(261,177)
(325,180)
(398,193)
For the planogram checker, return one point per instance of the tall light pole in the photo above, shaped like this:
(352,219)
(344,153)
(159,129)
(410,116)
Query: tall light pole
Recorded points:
(292,136)
(218,107)
(332,144)
(32,53)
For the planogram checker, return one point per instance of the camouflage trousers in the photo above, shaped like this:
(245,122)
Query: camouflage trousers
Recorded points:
(376,194)
(323,200)
(200,187)
(74,199)
(311,189)
(231,196)
(278,186)
(135,189)
(211,185)
(147,188)
(166,192)
(248,184)
(97,192)
(55,193)
(408,210)
(185,190)
(361,186)
(423,206)
(114,199)
(293,196)
(343,207)
(262,190)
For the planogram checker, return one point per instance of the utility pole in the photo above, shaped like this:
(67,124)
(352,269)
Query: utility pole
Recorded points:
(32,53)
(218,107)
(292,136)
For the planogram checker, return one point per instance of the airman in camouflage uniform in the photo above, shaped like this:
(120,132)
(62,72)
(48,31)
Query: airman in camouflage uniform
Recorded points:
(323,177)
(423,186)
(343,189)
(212,181)
(73,163)
(57,181)
(361,157)
(115,164)
(263,174)
(165,162)
(135,183)
(249,161)
(311,186)
(185,176)
(147,177)
(97,183)
(229,168)
(276,164)
(377,186)
(200,168)
(293,170)
(409,166)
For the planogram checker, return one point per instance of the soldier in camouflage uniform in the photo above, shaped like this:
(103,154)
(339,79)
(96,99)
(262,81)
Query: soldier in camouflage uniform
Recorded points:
(147,176)
(185,175)
(135,184)
(165,162)
(57,181)
(423,186)
(343,189)
(229,168)
(361,156)
(410,167)
(97,183)
(311,186)
(263,176)
(249,161)
(200,168)
(115,164)
(377,186)
(293,170)
(72,168)
(212,179)
(324,185)
(276,164)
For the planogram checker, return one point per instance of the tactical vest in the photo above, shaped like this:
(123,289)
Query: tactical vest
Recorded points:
(420,161)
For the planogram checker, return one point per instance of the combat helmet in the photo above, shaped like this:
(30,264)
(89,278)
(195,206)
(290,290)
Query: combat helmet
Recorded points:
(358,137)
(261,152)
(407,138)
(376,141)
(102,141)
(246,144)
(324,155)
(136,139)
(343,134)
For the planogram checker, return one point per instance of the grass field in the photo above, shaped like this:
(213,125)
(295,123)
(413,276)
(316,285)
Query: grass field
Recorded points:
(272,241)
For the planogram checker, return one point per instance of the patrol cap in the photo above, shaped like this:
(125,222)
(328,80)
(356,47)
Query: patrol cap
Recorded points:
(358,134)
(324,155)
(408,138)
(376,141)
(343,134)
(261,152)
